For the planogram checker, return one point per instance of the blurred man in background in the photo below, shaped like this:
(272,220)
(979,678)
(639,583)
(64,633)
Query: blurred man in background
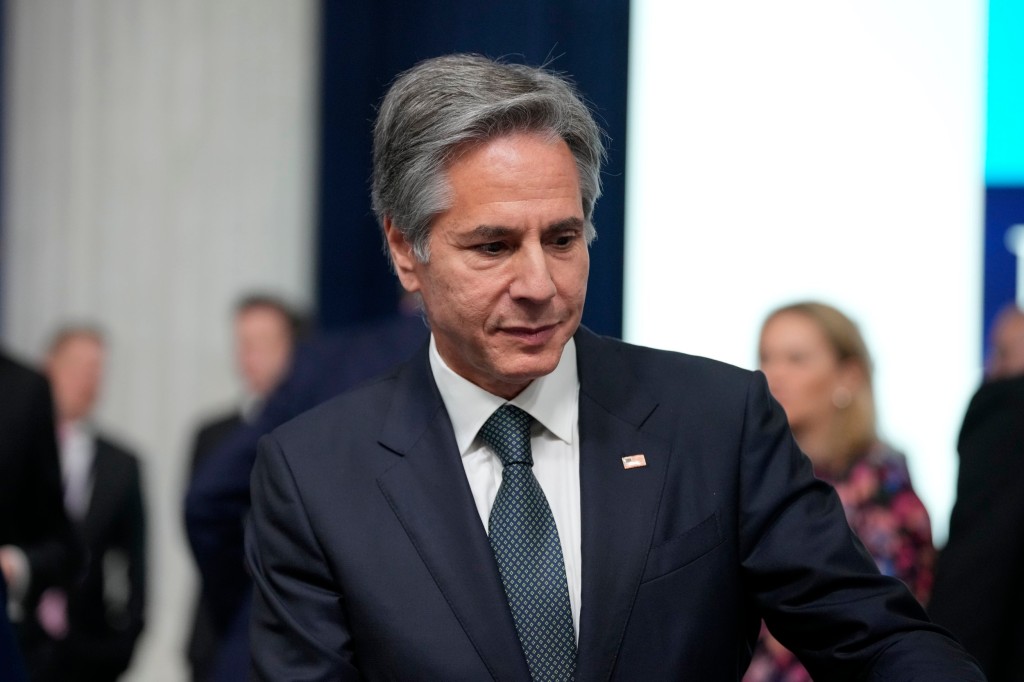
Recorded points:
(265,331)
(37,545)
(89,630)
(218,498)
(978,592)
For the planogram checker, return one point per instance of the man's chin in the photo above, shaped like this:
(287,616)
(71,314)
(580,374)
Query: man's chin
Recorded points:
(531,368)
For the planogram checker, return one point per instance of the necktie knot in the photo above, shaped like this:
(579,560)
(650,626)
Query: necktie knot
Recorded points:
(507,432)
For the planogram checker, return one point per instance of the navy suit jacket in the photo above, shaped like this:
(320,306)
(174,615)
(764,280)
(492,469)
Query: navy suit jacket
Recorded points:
(102,633)
(103,624)
(32,512)
(218,496)
(370,560)
(978,592)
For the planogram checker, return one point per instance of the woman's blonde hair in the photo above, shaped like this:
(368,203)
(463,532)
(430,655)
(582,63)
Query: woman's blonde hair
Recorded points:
(855,429)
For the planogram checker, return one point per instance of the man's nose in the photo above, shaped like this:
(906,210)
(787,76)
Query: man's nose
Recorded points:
(532,279)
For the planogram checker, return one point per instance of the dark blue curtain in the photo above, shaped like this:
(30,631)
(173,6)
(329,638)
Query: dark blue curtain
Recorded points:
(365,44)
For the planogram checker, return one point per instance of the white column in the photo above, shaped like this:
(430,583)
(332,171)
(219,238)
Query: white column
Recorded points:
(158,161)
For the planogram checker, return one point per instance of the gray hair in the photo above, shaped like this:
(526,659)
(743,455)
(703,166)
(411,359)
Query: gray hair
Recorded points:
(75,330)
(433,110)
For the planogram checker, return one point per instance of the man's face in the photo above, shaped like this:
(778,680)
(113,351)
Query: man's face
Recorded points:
(263,345)
(75,369)
(507,276)
(1007,359)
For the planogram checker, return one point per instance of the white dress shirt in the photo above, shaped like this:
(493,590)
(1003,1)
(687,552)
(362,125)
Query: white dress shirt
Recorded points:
(553,402)
(77,452)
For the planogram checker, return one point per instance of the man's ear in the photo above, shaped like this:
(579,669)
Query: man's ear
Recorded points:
(402,256)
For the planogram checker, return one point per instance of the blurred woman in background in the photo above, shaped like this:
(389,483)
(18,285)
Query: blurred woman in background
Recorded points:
(819,370)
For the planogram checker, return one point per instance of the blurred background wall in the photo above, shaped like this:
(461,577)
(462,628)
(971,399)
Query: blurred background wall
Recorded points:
(158,159)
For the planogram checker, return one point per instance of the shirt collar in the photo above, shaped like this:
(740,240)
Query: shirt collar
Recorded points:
(550,399)
(78,429)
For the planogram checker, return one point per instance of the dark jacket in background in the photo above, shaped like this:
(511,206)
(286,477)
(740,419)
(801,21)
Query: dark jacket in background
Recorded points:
(217,502)
(105,607)
(204,640)
(32,514)
(979,582)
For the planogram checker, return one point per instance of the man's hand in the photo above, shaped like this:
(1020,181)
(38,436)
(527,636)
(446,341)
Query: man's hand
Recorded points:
(14,565)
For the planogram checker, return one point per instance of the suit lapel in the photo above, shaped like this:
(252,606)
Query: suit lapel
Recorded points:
(429,493)
(101,493)
(618,505)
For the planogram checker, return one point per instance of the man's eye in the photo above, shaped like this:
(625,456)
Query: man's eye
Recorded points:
(564,240)
(491,248)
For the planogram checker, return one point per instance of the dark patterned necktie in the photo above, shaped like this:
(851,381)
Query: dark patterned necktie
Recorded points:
(525,543)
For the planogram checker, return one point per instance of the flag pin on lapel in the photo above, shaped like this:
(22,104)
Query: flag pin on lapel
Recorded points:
(634,461)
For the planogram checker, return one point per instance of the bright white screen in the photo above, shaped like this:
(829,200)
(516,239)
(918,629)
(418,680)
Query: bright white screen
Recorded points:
(799,149)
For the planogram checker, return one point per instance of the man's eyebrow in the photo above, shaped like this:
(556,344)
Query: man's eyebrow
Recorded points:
(570,223)
(500,231)
(490,231)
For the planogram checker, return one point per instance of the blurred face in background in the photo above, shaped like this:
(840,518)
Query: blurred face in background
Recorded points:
(1007,358)
(803,370)
(263,347)
(75,368)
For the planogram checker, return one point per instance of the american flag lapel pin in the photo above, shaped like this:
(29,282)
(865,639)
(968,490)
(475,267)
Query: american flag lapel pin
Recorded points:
(634,461)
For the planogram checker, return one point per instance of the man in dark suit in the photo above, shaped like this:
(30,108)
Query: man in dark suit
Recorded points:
(37,544)
(89,631)
(526,499)
(265,330)
(218,498)
(978,592)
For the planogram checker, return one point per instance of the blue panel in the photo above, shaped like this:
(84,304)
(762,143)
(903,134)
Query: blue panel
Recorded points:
(1004,208)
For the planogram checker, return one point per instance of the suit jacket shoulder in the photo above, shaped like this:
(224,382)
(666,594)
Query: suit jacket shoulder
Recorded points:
(663,373)
(26,412)
(115,451)
(117,498)
(211,433)
(978,592)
